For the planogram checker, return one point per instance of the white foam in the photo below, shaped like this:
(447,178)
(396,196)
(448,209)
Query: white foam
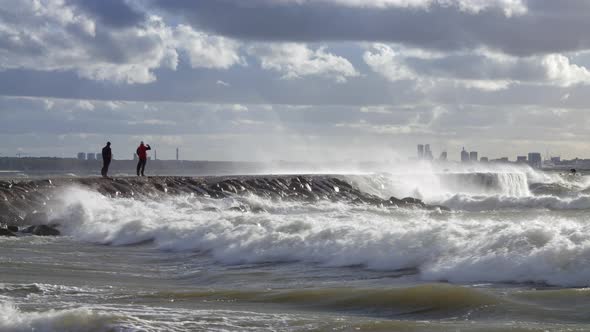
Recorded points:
(439,186)
(489,203)
(83,320)
(549,247)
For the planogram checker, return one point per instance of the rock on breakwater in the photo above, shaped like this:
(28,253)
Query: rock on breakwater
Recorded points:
(24,202)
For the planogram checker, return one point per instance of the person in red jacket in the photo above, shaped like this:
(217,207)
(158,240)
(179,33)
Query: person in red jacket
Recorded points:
(142,154)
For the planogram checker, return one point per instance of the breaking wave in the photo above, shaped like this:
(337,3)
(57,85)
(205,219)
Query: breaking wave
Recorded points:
(512,246)
(76,320)
(490,203)
(484,190)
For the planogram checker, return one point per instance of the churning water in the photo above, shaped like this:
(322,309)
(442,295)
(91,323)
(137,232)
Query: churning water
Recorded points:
(513,254)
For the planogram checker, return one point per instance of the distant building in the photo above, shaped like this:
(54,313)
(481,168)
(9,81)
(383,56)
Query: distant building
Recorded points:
(484,159)
(473,156)
(177,156)
(81,156)
(428,152)
(464,156)
(135,156)
(443,156)
(420,151)
(556,160)
(535,159)
(521,159)
(501,160)
(90,156)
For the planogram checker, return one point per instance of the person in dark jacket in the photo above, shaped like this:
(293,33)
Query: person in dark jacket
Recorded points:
(142,154)
(107,156)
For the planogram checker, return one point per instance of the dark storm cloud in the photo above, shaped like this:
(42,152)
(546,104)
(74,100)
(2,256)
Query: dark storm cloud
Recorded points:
(548,26)
(115,13)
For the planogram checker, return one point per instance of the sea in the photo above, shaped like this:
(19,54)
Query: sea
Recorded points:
(512,254)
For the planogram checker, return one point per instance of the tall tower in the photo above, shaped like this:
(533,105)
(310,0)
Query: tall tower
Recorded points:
(535,160)
(464,156)
(177,154)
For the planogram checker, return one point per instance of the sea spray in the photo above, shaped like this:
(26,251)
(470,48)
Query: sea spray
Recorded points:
(511,246)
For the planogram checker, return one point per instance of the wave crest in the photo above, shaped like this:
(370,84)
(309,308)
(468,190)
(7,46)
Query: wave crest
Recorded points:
(78,320)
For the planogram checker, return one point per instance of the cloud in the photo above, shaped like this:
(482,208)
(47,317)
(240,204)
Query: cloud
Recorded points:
(384,60)
(543,26)
(239,108)
(117,13)
(48,103)
(509,7)
(492,130)
(206,51)
(376,109)
(222,83)
(479,69)
(154,140)
(85,105)
(560,70)
(565,97)
(54,35)
(152,122)
(113,105)
(296,60)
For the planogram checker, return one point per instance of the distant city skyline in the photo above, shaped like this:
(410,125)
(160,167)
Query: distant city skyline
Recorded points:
(424,152)
(273,81)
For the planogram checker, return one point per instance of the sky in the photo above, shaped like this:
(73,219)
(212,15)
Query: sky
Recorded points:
(299,80)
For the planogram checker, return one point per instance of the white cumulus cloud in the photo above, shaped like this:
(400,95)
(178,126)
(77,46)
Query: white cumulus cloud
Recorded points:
(296,60)
(54,35)
(207,51)
(480,69)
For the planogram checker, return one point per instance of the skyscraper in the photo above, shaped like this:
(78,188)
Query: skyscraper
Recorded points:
(535,159)
(464,156)
(473,156)
(443,156)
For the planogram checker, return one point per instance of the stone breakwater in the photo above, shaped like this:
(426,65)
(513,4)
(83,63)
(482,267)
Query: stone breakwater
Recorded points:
(24,203)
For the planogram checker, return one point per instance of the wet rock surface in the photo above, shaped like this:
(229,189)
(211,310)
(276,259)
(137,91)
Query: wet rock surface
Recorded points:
(42,230)
(6,232)
(22,203)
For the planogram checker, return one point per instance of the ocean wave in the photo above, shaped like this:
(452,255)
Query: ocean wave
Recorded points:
(490,203)
(549,248)
(437,185)
(432,298)
(42,289)
(75,320)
